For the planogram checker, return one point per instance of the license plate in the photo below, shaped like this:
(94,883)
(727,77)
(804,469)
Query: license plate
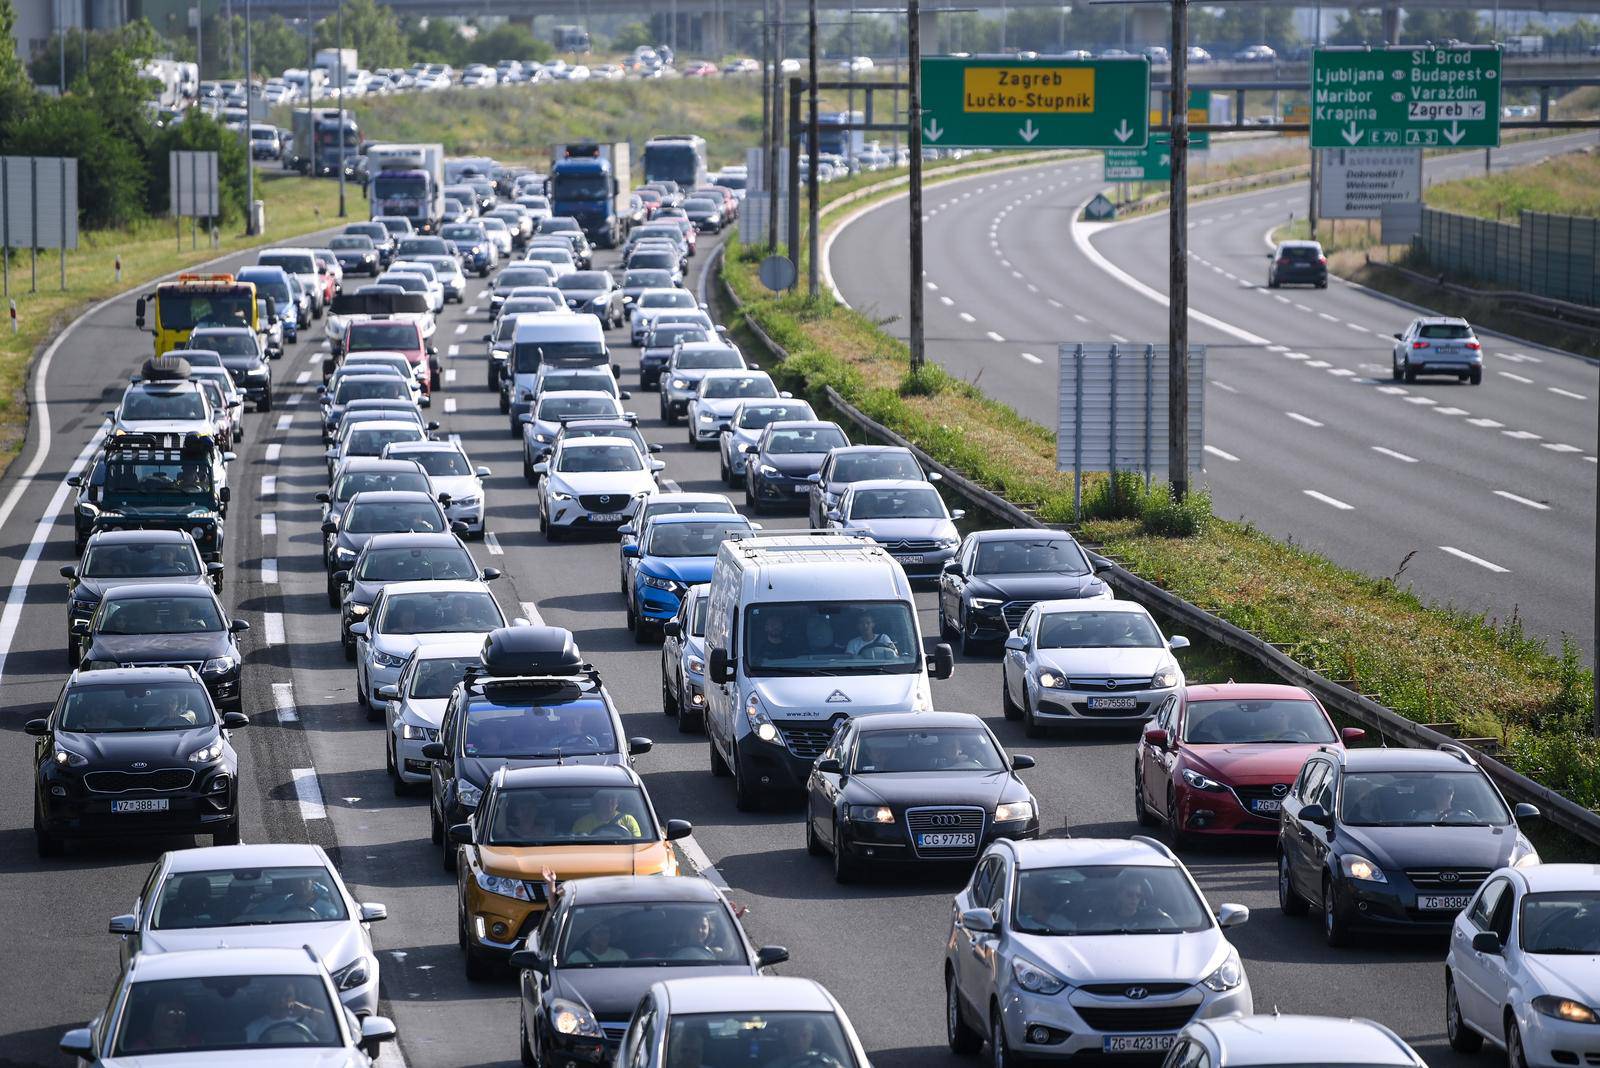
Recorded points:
(912,559)
(1118,704)
(1443,902)
(154,804)
(947,841)
(1266,808)
(606,517)
(1137,1043)
(802,489)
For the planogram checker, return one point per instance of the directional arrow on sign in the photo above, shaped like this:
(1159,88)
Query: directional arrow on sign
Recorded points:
(1455,133)
(1166,161)
(1350,133)
(933,131)
(1122,132)
(1028,132)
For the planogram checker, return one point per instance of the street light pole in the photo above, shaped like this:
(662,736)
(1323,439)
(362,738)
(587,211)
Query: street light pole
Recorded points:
(1178,246)
(338,39)
(914,332)
(813,272)
(249,119)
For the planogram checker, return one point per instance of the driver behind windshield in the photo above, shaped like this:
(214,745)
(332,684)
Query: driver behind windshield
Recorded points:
(286,1018)
(605,818)
(868,637)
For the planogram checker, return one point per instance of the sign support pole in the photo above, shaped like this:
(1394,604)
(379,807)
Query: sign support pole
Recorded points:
(249,147)
(339,37)
(914,112)
(813,274)
(61,182)
(796,88)
(1312,191)
(1178,281)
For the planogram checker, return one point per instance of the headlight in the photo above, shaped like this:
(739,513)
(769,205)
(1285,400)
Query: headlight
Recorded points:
(570,1018)
(416,732)
(465,502)
(68,758)
(503,885)
(870,814)
(1356,866)
(759,721)
(1051,681)
(1035,979)
(1228,976)
(98,665)
(207,753)
(467,794)
(218,665)
(1565,1009)
(557,495)
(983,604)
(382,659)
(544,439)
(1523,855)
(1016,810)
(707,417)
(678,383)
(1201,782)
(696,666)
(499,354)
(659,583)
(359,610)
(949,543)
(352,975)
(1167,676)
(344,552)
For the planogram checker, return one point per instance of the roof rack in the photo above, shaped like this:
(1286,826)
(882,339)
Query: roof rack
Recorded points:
(1156,844)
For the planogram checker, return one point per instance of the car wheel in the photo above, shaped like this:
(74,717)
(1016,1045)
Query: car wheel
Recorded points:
(478,970)
(333,592)
(505,406)
(527,470)
(957,1032)
(435,827)
(745,797)
(1335,925)
(228,835)
(1394,369)
(846,869)
(266,402)
(814,846)
(642,630)
(1030,723)
(349,644)
(999,1050)
(1411,375)
(1476,377)
(523,1046)
(689,721)
(1141,811)
(723,472)
(1181,839)
(1516,1056)
(1463,1039)
(630,619)
(970,646)
(669,703)
(719,767)
(1290,903)
(44,843)
(1007,706)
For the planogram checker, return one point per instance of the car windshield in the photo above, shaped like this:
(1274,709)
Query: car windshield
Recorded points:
(1566,923)
(584,280)
(365,481)
(1445,331)
(393,517)
(828,638)
(896,504)
(276,287)
(144,706)
(646,279)
(904,750)
(701,204)
(371,231)
(678,934)
(692,539)
(557,407)
(758,1039)
(411,283)
(143,405)
(538,724)
(443,265)
(601,381)
(248,897)
(598,458)
(861,467)
(549,254)
(469,611)
(351,241)
(377,336)
(441,463)
(709,359)
(721,388)
(1059,556)
(1303,253)
(293,262)
(512,277)
(423,246)
(1107,900)
(225,343)
(675,298)
(469,232)
(1249,722)
(365,441)
(558,224)
(138,560)
(659,262)
(1097,630)
(434,679)
(160,615)
(522,306)
(1420,799)
(416,564)
(570,815)
(226,1012)
(757,416)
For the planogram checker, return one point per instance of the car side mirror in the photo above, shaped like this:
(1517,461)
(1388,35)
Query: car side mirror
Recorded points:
(541,468)
(656,446)
(767,956)
(489,574)
(834,515)
(434,751)
(125,924)
(672,628)
(75,481)
(1021,762)
(375,1031)
(359,629)
(718,667)
(225,494)
(677,829)
(1351,734)
(1017,643)
(388,693)
(1156,737)
(1316,814)
(460,834)
(1229,915)
(425,401)
(69,571)
(323,497)
(530,960)
(829,766)
(980,921)
(1525,811)
(658,466)
(815,480)
(943,662)
(488,337)
(482,472)
(341,578)
(80,627)
(639,746)
(330,527)
(37,727)
(234,721)
(459,528)
(1397,337)
(952,567)
(958,513)
(1487,942)
(626,530)
(372,912)
(238,626)
(1176,642)
(631,550)
(79,1042)
(433,350)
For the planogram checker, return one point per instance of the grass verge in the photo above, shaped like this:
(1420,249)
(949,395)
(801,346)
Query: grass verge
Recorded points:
(1428,662)
(149,250)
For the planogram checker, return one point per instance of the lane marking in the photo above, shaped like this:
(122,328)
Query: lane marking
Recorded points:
(273,452)
(702,863)
(1469,558)
(1318,364)
(946,301)
(309,791)
(1341,372)
(1030,357)
(450,375)
(269,572)
(461,328)
(283,701)
(1228,456)
(449,405)
(454,350)
(1223,386)
(1421,400)
(1326,316)
(1522,500)
(1487,423)
(530,612)
(1277,348)
(1325,499)
(1566,393)
(1556,446)
(1449,411)
(293,399)
(933,286)
(272,628)
(269,485)
(967,318)
(1515,378)
(1358,327)
(1119,339)
(1402,457)
(1054,303)
(269,525)
(995,337)
(472,309)
(1306,419)
(285,420)
(492,543)
(1522,435)
(302,378)
(1296,356)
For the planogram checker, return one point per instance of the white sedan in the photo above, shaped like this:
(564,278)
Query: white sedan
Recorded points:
(408,614)
(458,484)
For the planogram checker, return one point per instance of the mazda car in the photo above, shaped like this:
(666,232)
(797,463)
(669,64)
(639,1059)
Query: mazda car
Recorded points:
(673,553)
(662,504)
(592,484)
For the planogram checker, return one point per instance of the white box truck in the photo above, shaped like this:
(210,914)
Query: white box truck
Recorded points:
(331,60)
(408,179)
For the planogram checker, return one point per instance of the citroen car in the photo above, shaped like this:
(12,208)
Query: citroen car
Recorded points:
(1087,661)
(592,484)
(673,553)
(917,788)
(997,575)
(857,463)
(456,482)
(115,558)
(134,751)
(744,428)
(399,557)
(405,615)
(690,362)
(907,517)
(710,409)
(163,623)
(414,706)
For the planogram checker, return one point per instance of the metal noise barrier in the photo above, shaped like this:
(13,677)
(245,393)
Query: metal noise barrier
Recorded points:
(1560,811)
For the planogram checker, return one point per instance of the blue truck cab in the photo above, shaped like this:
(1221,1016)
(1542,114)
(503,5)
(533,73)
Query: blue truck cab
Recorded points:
(589,182)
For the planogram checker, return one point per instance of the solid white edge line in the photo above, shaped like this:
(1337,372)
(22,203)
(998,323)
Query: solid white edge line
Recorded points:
(309,793)
(702,863)
(1461,554)
(492,543)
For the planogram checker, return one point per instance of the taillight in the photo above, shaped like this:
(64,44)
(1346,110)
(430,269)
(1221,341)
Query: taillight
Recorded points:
(1322,260)
(1474,346)
(1419,344)
(1284,262)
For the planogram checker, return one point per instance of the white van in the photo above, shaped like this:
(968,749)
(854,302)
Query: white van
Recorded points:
(557,337)
(801,632)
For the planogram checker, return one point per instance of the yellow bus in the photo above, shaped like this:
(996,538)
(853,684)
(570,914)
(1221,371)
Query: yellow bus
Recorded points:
(176,308)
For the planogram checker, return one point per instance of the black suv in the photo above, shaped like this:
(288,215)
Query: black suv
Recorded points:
(130,558)
(534,702)
(130,752)
(1297,262)
(997,576)
(165,481)
(241,355)
(166,624)
(1393,839)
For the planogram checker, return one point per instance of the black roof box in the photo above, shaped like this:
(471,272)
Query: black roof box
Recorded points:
(164,369)
(523,652)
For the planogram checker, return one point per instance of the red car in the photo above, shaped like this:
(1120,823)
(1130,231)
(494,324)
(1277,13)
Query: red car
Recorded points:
(701,69)
(652,201)
(1218,760)
(394,335)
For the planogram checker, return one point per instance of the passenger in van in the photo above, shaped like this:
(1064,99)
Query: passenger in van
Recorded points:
(773,641)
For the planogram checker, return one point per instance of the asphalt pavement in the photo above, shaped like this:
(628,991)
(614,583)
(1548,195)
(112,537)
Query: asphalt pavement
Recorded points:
(1482,498)
(312,768)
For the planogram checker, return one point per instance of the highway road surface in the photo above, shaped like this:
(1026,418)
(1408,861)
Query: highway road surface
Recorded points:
(1492,488)
(312,768)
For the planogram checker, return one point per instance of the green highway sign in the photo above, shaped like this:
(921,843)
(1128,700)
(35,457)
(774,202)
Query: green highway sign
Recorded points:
(1152,163)
(1407,97)
(1035,103)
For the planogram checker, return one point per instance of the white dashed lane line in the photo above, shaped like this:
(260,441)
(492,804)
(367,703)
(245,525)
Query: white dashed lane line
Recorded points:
(1556,446)
(995,337)
(450,375)
(284,421)
(454,350)
(272,628)
(273,452)
(269,572)
(269,485)
(449,405)
(1522,435)
(1030,357)
(269,525)
(1566,393)
(1538,505)
(1228,456)
(1333,502)
(461,328)
(1402,457)
(967,317)
(1306,419)
(283,702)
(309,793)
(1487,424)
(946,301)
(1461,554)
(1515,378)
(302,378)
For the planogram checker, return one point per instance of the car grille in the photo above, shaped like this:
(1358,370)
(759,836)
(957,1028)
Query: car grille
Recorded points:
(1014,611)
(946,821)
(604,502)
(166,663)
(807,742)
(122,782)
(614,1028)
(910,545)
(1140,708)
(1119,990)
(1465,880)
(1269,792)
(1140,1018)
(1099,684)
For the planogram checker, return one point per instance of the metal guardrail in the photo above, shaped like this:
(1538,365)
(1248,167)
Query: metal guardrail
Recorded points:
(1391,725)
(1530,305)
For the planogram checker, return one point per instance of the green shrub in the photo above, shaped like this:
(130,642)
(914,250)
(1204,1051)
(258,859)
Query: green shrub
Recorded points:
(1119,496)
(1165,516)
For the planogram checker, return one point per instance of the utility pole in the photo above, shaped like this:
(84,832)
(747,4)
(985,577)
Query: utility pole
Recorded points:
(813,272)
(914,336)
(61,40)
(338,38)
(249,156)
(1178,246)
(796,90)
(309,152)
(774,183)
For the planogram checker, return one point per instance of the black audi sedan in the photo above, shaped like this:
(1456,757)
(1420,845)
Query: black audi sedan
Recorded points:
(1393,839)
(134,751)
(167,624)
(603,943)
(997,575)
(406,557)
(779,466)
(914,787)
(130,558)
